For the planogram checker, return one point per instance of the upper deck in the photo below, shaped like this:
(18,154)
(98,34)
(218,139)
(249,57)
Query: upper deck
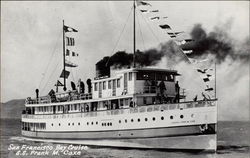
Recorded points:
(123,83)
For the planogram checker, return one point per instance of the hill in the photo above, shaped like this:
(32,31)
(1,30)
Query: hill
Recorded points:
(12,108)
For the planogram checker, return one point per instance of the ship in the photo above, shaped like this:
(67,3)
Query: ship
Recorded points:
(129,107)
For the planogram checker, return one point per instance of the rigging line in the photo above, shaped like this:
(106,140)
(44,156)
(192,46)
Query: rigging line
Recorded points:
(50,76)
(141,32)
(120,34)
(52,55)
(150,28)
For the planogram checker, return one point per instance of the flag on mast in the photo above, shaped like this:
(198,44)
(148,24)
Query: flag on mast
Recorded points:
(64,74)
(70,64)
(70,41)
(140,2)
(69,29)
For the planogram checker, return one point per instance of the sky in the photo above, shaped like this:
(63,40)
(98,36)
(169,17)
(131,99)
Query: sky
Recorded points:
(31,37)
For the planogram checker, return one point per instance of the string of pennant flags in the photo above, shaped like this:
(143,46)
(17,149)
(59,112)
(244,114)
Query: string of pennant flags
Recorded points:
(147,9)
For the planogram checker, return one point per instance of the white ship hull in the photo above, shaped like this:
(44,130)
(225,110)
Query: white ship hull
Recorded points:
(184,143)
(178,127)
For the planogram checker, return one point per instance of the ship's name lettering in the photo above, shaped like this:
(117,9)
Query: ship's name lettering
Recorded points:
(39,153)
(71,153)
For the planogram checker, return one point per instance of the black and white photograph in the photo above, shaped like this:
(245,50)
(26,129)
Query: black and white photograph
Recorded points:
(125,79)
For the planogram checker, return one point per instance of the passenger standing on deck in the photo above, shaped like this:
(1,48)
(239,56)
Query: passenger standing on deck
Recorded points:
(177,90)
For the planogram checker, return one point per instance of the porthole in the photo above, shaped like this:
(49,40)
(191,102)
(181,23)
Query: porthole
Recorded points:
(139,120)
(162,118)
(146,119)
(104,124)
(110,124)
(59,124)
(52,124)
(181,116)
(132,120)
(79,123)
(69,124)
(125,121)
(107,124)
(72,124)
(192,115)
(153,118)
(96,123)
(92,123)
(87,123)
(120,121)
(171,117)
(132,134)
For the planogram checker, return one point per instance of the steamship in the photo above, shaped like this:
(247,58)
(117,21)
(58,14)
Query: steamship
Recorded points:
(132,107)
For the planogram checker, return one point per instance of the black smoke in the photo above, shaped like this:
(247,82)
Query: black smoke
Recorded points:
(217,43)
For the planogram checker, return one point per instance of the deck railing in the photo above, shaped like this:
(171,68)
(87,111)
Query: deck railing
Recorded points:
(62,97)
(141,109)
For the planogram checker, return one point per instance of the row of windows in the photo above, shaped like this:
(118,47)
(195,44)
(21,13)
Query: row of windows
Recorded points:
(146,119)
(132,120)
(107,124)
(116,83)
(102,85)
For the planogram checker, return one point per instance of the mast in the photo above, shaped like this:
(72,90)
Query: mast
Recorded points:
(134,39)
(215,79)
(64,76)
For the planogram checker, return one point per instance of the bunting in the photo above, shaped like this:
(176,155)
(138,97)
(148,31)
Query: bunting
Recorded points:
(143,10)
(205,79)
(153,18)
(155,11)
(165,26)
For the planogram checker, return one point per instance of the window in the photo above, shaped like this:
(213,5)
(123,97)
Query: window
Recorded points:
(132,120)
(146,119)
(87,123)
(68,124)
(162,118)
(52,124)
(104,85)
(109,84)
(118,83)
(79,123)
(171,117)
(92,123)
(72,124)
(107,124)
(130,76)
(181,116)
(119,121)
(95,86)
(139,120)
(153,118)
(125,121)
(96,123)
(59,124)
